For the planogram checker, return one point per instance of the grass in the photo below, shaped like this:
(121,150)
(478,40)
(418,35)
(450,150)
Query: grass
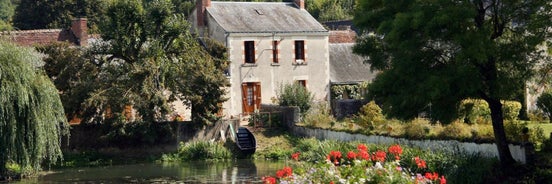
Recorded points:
(273,143)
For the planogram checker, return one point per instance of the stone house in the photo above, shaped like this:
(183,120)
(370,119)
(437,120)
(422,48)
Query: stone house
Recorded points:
(269,44)
(348,72)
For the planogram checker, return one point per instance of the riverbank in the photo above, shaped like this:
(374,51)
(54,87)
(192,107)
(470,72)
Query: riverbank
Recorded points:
(279,144)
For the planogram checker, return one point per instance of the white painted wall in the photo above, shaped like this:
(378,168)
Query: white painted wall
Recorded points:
(316,70)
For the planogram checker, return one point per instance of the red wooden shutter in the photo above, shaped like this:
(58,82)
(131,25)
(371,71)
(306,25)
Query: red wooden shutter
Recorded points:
(244,98)
(257,92)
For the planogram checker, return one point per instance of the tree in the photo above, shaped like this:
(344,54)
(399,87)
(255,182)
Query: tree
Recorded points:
(440,52)
(74,75)
(6,13)
(544,102)
(55,14)
(147,60)
(32,121)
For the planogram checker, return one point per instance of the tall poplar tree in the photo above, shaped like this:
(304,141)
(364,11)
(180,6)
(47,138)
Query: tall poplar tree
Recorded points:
(32,121)
(438,52)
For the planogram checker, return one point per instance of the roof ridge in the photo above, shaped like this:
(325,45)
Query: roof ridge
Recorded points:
(31,31)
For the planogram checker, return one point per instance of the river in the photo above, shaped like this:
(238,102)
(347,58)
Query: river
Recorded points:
(239,171)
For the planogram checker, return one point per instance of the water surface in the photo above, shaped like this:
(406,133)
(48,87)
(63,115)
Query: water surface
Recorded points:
(240,171)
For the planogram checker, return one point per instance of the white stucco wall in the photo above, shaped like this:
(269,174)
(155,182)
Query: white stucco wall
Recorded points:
(271,76)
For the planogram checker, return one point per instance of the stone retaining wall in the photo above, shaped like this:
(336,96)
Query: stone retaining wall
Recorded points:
(485,149)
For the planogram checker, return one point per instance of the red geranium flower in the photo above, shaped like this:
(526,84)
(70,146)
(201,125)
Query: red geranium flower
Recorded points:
(351,155)
(379,156)
(295,156)
(334,157)
(432,176)
(396,150)
(285,172)
(362,147)
(269,180)
(443,180)
(364,155)
(421,163)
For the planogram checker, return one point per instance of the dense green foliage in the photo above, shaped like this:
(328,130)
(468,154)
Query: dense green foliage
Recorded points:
(7,9)
(55,14)
(370,116)
(295,95)
(151,61)
(544,102)
(477,111)
(441,52)
(32,121)
(457,167)
(349,91)
(199,150)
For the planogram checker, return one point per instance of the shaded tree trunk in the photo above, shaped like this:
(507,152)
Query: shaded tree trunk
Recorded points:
(501,142)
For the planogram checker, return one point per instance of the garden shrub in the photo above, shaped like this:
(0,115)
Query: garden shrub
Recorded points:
(295,95)
(510,109)
(319,116)
(370,116)
(482,132)
(394,128)
(456,130)
(471,110)
(417,129)
(477,111)
(544,103)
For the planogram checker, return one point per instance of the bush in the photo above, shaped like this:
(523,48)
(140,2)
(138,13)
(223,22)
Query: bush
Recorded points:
(510,109)
(295,95)
(477,111)
(544,103)
(319,116)
(370,116)
(482,132)
(417,129)
(456,130)
(202,150)
(471,110)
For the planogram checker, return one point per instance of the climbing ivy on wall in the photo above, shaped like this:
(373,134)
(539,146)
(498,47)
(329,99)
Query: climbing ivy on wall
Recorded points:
(349,91)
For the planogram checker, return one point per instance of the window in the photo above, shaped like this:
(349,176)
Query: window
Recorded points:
(249,52)
(302,82)
(299,50)
(274,51)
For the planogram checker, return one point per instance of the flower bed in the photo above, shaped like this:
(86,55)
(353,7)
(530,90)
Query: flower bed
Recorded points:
(358,166)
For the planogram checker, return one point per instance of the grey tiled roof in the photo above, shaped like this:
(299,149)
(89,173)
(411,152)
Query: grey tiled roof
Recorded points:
(346,67)
(267,17)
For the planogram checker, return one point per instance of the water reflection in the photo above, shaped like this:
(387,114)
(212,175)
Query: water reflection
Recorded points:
(240,171)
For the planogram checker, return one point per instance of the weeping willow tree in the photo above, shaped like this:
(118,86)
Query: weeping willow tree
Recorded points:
(32,120)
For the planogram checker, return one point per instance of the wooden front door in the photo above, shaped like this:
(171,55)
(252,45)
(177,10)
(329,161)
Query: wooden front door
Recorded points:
(251,97)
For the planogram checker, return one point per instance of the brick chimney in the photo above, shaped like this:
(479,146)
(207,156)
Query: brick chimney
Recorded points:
(201,6)
(300,4)
(79,29)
